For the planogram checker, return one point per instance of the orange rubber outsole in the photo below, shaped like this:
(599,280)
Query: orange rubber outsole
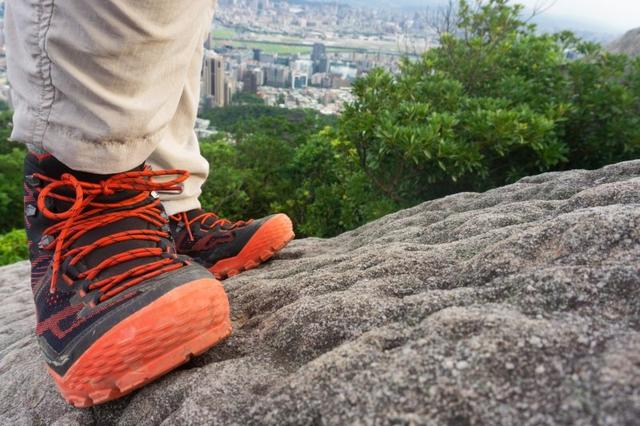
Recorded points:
(151,342)
(272,237)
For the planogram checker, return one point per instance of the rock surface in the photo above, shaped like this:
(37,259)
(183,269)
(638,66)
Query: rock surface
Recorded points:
(519,306)
(628,43)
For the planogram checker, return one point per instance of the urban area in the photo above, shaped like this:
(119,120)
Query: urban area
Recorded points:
(295,55)
(303,55)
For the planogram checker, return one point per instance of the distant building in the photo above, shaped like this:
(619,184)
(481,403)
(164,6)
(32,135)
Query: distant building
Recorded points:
(283,60)
(203,128)
(319,52)
(267,58)
(209,43)
(277,75)
(344,70)
(303,66)
(319,58)
(299,81)
(321,65)
(323,80)
(229,90)
(213,80)
(252,79)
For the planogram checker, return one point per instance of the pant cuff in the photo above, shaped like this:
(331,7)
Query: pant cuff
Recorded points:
(100,157)
(178,206)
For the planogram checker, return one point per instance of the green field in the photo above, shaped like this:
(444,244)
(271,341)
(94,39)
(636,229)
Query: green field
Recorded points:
(229,36)
(281,49)
(220,32)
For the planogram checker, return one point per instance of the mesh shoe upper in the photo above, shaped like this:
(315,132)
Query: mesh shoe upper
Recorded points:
(226,248)
(207,238)
(100,248)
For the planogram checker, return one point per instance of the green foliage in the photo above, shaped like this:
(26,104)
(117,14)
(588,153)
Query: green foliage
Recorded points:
(495,102)
(13,241)
(13,247)
(242,120)
(603,122)
(6,146)
(331,193)
(224,191)
(276,159)
(11,194)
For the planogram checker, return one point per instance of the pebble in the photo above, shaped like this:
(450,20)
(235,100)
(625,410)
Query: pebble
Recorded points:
(462,365)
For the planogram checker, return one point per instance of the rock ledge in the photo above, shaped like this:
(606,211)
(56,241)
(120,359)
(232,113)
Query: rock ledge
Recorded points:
(519,306)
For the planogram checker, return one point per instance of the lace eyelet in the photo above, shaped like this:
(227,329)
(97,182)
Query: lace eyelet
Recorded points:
(32,181)
(30,210)
(45,242)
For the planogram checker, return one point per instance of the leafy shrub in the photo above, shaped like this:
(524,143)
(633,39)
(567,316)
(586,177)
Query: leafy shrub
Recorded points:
(289,161)
(495,102)
(11,194)
(13,247)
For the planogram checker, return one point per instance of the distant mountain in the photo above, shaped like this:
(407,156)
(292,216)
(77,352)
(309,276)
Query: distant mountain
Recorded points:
(592,31)
(628,43)
(546,22)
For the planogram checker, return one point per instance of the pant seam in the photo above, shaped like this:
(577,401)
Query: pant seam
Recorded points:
(47,92)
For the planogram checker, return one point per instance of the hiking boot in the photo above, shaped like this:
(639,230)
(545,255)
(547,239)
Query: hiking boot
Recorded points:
(226,248)
(116,306)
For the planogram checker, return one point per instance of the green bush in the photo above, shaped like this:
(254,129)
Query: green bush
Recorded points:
(13,247)
(330,194)
(315,179)
(11,193)
(495,102)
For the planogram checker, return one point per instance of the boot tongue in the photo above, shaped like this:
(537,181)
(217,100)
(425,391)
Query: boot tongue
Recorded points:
(54,169)
(194,213)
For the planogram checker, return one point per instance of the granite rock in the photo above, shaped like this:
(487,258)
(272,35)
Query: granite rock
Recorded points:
(518,306)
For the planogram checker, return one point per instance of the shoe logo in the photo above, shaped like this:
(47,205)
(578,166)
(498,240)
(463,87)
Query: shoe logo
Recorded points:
(52,323)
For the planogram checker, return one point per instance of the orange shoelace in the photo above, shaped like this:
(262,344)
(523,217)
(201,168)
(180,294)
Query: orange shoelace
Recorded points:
(86,214)
(208,220)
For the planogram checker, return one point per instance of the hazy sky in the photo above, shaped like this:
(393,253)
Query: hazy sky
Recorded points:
(620,14)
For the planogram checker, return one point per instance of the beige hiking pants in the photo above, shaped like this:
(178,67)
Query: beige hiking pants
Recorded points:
(105,85)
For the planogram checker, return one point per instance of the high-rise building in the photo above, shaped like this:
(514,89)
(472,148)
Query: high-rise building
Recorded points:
(209,43)
(229,91)
(303,66)
(283,60)
(319,52)
(213,78)
(319,58)
(251,80)
(321,65)
(267,58)
(277,75)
